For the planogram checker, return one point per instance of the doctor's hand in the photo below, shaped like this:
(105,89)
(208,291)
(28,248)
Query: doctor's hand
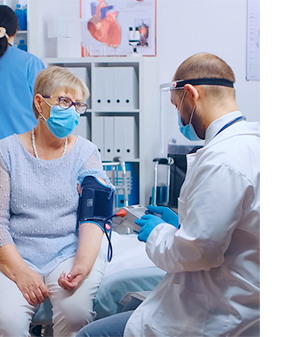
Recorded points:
(166,214)
(74,278)
(148,222)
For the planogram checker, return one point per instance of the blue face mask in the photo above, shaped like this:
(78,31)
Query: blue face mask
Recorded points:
(187,130)
(61,122)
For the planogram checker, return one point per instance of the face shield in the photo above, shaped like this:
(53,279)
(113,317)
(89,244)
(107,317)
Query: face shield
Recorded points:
(171,140)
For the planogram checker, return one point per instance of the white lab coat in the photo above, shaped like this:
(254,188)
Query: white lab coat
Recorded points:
(212,283)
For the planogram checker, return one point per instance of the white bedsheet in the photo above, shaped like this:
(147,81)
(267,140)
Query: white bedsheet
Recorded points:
(128,253)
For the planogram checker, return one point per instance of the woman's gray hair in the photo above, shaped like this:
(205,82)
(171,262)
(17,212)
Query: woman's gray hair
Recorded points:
(54,78)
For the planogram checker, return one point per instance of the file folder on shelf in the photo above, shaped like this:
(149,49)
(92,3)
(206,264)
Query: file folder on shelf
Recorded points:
(108,153)
(125,86)
(83,128)
(82,73)
(130,87)
(108,103)
(130,138)
(116,88)
(99,88)
(98,133)
(118,136)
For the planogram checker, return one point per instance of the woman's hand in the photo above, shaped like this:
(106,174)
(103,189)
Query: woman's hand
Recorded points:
(31,285)
(73,280)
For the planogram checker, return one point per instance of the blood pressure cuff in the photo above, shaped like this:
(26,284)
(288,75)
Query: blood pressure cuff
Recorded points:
(95,203)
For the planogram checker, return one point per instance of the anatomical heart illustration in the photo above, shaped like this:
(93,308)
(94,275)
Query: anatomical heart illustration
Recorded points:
(106,27)
(103,26)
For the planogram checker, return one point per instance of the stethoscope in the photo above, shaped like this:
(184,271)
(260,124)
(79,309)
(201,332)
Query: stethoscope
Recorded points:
(227,125)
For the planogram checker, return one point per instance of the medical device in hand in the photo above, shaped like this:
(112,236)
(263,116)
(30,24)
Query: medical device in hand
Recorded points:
(133,213)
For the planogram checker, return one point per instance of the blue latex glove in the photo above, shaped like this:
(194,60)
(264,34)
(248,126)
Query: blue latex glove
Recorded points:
(148,222)
(166,214)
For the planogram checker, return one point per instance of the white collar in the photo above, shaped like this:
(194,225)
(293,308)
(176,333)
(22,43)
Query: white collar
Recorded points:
(218,124)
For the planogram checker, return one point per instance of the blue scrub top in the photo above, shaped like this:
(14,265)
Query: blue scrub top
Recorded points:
(18,71)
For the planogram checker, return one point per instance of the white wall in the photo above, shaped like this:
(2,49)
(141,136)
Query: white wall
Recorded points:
(40,12)
(216,26)
(184,27)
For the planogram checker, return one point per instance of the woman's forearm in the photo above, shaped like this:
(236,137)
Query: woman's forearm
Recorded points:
(11,262)
(89,244)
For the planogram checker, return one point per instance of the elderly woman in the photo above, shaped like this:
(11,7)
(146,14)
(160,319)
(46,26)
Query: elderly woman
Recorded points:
(41,252)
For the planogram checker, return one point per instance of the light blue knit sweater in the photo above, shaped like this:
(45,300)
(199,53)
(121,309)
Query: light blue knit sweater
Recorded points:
(39,200)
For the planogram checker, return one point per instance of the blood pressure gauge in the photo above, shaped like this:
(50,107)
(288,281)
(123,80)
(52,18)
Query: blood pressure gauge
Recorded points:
(133,213)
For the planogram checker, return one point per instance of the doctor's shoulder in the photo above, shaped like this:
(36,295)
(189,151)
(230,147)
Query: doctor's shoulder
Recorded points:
(237,154)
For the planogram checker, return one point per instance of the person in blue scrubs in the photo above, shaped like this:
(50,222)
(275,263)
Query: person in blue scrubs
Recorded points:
(18,71)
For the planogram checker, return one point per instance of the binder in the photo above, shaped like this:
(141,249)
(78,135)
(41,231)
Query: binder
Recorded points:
(108,152)
(109,91)
(98,133)
(131,150)
(99,88)
(118,136)
(118,84)
(82,73)
(116,88)
(83,128)
(130,88)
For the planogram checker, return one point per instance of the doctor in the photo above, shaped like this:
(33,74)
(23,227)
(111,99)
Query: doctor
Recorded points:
(211,250)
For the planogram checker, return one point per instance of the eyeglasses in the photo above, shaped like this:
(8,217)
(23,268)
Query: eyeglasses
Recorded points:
(66,103)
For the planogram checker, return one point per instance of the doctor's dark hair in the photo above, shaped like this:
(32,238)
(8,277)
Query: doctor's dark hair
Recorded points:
(9,21)
(54,78)
(205,65)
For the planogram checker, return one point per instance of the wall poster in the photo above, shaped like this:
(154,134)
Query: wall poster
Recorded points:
(118,27)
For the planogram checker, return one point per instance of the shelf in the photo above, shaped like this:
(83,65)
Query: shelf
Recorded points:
(114,112)
(142,128)
(99,60)
(126,161)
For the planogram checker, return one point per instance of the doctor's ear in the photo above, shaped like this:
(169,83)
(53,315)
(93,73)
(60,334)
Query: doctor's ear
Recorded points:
(192,92)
